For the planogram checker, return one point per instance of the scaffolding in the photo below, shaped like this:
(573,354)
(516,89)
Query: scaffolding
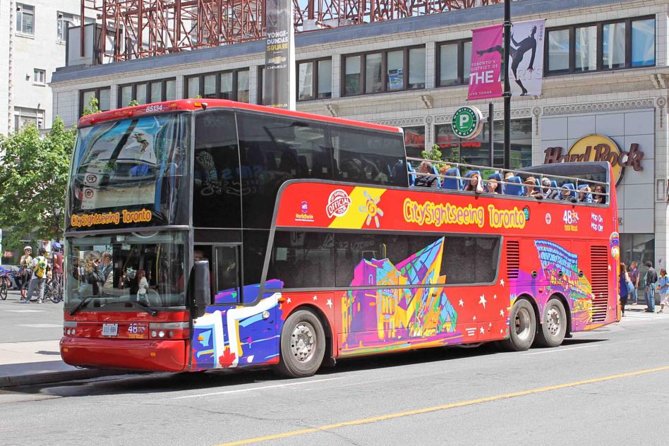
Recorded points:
(135,29)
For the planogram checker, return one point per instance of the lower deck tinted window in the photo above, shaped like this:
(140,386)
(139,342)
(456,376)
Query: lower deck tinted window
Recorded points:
(308,260)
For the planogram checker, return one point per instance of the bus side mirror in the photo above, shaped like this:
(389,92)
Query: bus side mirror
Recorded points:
(202,286)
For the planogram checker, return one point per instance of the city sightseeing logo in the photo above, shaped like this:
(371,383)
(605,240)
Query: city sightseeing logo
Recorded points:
(338,203)
(304,214)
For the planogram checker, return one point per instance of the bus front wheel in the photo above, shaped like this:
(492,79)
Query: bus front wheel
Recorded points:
(302,345)
(553,324)
(522,327)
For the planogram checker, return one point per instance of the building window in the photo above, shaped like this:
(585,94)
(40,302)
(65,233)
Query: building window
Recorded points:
(146,92)
(314,79)
(384,71)
(65,21)
(559,49)
(101,94)
(39,76)
(28,116)
(233,85)
(643,43)
(613,45)
(585,48)
(626,43)
(453,65)
(25,19)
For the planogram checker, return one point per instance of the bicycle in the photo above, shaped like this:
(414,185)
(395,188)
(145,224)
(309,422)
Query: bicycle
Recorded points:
(53,290)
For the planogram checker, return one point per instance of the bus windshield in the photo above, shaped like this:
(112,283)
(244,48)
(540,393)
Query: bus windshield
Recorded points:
(130,163)
(126,268)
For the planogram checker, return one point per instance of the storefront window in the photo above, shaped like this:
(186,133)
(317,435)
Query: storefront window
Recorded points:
(414,141)
(639,247)
(477,151)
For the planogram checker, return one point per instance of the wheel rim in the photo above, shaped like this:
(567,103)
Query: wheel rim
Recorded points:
(522,323)
(303,341)
(553,320)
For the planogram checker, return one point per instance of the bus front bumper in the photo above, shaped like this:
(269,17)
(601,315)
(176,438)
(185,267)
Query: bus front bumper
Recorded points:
(130,354)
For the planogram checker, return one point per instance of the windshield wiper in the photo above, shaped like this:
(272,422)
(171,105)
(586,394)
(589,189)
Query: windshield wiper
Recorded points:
(82,304)
(145,307)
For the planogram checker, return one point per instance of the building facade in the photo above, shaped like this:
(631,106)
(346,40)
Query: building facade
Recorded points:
(605,73)
(33,35)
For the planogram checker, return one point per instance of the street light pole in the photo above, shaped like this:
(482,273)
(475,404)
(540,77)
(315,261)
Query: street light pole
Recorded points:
(507,86)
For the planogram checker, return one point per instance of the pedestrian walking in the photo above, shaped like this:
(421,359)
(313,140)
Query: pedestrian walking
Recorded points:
(624,291)
(651,278)
(38,280)
(634,277)
(25,272)
(663,289)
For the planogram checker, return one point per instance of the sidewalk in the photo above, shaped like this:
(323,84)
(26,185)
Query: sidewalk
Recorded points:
(26,363)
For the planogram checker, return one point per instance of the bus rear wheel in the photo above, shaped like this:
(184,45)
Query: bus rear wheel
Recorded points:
(522,327)
(553,324)
(302,345)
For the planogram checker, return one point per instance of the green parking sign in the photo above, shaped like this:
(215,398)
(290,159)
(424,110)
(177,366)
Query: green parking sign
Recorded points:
(467,122)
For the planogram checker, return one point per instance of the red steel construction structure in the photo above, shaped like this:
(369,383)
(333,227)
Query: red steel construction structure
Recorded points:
(134,29)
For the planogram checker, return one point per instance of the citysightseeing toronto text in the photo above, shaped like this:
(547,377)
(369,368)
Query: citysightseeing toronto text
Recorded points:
(438,214)
(110,218)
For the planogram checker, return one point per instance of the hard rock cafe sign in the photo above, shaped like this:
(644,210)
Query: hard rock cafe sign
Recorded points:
(598,148)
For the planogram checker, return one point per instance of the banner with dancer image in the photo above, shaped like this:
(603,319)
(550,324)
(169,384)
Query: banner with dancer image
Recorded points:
(486,63)
(526,65)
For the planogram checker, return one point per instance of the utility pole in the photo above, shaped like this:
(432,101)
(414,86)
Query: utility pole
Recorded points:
(507,86)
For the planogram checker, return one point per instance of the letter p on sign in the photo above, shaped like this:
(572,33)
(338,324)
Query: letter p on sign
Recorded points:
(464,120)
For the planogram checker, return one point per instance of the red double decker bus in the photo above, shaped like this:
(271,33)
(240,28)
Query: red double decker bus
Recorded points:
(204,235)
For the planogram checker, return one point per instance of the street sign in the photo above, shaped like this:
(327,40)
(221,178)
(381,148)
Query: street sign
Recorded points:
(467,122)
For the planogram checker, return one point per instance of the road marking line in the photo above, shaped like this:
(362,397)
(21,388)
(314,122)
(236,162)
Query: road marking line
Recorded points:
(488,399)
(276,386)
(558,350)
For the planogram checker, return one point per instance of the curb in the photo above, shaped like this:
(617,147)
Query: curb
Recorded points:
(55,377)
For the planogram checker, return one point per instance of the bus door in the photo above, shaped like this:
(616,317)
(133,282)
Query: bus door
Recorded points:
(210,340)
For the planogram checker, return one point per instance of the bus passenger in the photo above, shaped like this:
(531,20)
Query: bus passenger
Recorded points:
(531,188)
(584,194)
(546,190)
(474,183)
(599,194)
(491,186)
(425,176)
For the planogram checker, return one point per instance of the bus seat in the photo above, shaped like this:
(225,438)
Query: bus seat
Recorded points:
(514,186)
(588,196)
(412,174)
(436,172)
(452,179)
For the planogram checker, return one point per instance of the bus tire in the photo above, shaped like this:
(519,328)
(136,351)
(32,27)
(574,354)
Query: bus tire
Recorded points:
(553,326)
(522,327)
(302,345)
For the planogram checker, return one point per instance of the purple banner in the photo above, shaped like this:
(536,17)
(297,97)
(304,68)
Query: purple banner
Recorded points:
(486,65)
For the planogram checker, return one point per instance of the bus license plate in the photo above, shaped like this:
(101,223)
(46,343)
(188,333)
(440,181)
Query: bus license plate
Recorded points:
(109,329)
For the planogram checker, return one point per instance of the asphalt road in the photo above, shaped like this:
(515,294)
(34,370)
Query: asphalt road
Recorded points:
(604,387)
(29,322)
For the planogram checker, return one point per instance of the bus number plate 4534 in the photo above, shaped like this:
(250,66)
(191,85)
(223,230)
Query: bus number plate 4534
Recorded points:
(109,329)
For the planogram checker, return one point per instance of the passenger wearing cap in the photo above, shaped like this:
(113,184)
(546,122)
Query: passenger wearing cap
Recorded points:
(25,272)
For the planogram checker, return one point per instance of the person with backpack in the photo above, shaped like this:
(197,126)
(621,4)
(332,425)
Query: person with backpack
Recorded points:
(651,278)
(39,268)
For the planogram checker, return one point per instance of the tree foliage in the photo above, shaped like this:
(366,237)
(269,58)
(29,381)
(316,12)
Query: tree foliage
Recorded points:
(91,107)
(33,179)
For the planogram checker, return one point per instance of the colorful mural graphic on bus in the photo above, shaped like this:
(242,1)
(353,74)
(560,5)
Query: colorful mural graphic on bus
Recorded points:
(414,309)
